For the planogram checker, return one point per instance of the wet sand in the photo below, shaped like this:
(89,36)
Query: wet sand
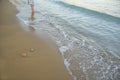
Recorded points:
(23,56)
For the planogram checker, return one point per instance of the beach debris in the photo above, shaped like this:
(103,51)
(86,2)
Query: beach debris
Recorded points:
(32,50)
(24,54)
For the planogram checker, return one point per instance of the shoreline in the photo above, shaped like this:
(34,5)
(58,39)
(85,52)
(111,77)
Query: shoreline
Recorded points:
(23,55)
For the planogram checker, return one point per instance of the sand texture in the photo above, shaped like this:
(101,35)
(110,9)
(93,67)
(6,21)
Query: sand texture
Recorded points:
(23,56)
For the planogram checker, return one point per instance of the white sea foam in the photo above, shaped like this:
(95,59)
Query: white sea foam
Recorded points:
(13,2)
(16,2)
(63,49)
(67,64)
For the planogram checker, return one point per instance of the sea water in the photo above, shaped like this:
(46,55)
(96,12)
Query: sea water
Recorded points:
(86,31)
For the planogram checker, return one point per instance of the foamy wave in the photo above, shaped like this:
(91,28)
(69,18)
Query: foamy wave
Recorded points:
(84,60)
(16,2)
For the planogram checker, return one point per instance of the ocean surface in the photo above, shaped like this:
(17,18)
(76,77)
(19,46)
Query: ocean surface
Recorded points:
(86,31)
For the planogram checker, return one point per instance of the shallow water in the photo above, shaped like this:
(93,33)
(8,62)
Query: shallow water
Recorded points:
(87,34)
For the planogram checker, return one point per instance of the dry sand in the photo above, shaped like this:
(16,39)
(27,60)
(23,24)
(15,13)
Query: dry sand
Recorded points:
(23,56)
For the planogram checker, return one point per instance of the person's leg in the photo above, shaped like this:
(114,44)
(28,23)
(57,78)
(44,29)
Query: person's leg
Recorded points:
(32,16)
(32,8)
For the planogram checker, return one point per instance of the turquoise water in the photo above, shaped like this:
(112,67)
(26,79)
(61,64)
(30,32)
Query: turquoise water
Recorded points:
(87,33)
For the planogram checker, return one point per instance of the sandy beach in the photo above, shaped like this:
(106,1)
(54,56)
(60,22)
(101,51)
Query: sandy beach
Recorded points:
(23,56)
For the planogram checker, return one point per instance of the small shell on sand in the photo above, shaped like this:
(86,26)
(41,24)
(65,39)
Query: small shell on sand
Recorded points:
(32,50)
(24,54)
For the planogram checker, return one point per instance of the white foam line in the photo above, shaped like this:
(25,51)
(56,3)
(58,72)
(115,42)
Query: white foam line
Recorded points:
(14,3)
(63,49)
(67,64)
